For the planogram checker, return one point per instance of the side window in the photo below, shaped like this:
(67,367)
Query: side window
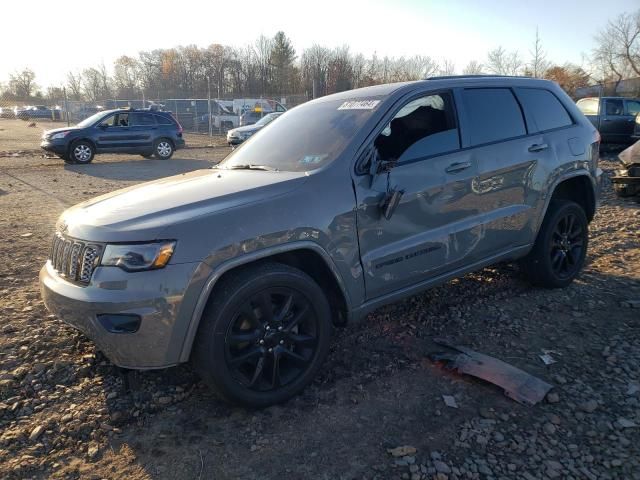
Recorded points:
(493,114)
(542,109)
(423,127)
(142,119)
(613,107)
(110,121)
(588,106)
(162,120)
(121,120)
(633,107)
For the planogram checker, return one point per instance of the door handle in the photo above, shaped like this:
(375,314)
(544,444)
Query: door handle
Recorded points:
(606,119)
(457,167)
(538,147)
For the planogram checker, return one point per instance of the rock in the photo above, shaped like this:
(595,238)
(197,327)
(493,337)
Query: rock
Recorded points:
(589,406)
(553,397)
(36,432)
(402,451)
(616,462)
(92,452)
(441,467)
(549,428)
(164,400)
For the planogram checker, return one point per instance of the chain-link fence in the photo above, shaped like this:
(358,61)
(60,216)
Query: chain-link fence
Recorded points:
(196,115)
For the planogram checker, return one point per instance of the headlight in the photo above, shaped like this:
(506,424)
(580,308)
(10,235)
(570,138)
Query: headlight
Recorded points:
(638,118)
(55,136)
(143,256)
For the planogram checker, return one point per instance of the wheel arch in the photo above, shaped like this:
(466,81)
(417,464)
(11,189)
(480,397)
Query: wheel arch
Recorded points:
(82,139)
(577,187)
(307,256)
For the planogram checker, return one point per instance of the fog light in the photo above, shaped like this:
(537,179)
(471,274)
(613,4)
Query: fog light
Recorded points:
(120,323)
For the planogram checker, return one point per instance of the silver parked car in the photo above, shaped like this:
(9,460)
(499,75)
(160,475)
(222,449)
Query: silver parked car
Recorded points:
(346,203)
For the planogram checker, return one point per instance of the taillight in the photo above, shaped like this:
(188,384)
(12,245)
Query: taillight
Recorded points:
(595,153)
(180,130)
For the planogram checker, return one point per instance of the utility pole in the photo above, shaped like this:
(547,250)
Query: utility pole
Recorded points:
(66,105)
(209,105)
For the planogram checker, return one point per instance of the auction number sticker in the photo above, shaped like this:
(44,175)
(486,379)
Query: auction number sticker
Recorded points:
(359,105)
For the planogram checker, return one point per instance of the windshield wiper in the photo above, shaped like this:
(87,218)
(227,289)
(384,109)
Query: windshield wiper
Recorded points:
(251,166)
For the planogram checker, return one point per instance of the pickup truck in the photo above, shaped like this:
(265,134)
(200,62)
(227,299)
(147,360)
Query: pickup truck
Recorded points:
(614,117)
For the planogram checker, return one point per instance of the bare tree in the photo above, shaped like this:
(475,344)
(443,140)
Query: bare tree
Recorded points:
(74,85)
(126,77)
(473,68)
(447,67)
(262,53)
(22,84)
(617,54)
(501,62)
(539,63)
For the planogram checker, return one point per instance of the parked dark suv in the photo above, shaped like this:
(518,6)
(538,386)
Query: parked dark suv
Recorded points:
(345,203)
(146,132)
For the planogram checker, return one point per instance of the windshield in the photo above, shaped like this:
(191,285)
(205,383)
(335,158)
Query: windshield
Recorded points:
(267,118)
(304,138)
(92,119)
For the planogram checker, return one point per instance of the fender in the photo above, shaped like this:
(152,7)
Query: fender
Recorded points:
(550,191)
(246,259)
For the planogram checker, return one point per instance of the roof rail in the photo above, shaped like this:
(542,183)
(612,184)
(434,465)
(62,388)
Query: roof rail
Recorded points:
(484,75)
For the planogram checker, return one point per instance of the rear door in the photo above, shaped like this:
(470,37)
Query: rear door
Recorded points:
(495,132)
(632,109)
(143,128)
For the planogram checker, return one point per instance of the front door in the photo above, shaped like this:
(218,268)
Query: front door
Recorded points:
(614,126)
(434,227)
(114,133)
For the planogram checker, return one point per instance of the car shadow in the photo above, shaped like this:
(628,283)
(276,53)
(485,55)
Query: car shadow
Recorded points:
(141,170)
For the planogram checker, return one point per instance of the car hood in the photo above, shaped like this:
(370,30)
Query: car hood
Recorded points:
(246,128)
(146,211)
(62,129)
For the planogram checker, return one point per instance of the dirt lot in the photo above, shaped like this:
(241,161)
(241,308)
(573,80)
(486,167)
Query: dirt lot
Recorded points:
(66,412)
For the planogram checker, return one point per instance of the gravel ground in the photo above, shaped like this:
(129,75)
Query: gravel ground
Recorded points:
(66,412)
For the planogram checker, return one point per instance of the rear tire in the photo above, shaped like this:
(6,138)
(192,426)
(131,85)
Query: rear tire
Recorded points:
(560,248)
(263,335)
(163,149)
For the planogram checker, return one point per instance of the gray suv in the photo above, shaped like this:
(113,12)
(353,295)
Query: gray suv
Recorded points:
(346,203)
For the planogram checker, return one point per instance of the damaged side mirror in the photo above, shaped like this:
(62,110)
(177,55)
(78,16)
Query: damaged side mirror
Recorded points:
(375,167)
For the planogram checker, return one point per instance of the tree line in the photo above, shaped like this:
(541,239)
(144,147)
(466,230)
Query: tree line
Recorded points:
(271,67)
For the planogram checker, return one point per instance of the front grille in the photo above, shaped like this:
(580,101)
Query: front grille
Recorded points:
(73,259)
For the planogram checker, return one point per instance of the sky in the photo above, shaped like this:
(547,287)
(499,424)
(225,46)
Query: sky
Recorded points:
(55,37)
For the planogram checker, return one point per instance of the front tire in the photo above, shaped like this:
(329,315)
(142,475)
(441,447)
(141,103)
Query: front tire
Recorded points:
(263,336)
(163,149)
(560,248)
(81,152)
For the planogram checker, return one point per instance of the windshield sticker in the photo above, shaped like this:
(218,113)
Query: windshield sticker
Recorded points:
(359,105)
(312,159)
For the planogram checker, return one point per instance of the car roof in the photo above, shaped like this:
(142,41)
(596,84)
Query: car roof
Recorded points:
(443,81)
(610,98)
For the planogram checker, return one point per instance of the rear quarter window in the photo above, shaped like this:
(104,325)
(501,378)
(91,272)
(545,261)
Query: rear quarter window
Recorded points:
(542,109)
(492,114)
(164,120)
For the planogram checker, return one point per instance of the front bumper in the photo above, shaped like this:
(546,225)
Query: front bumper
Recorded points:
(54,147)
(234,140)
(163,299)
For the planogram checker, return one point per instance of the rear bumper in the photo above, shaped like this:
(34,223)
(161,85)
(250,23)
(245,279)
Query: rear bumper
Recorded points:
(179,143)
(162,299)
